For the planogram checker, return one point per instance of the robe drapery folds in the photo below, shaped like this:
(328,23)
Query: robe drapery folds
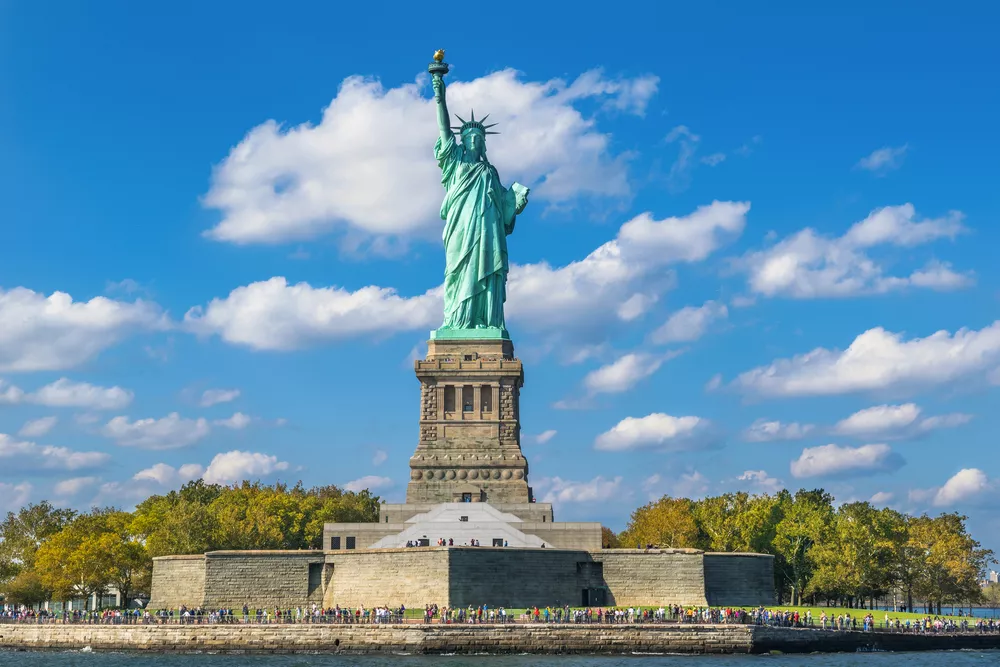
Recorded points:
(479,213)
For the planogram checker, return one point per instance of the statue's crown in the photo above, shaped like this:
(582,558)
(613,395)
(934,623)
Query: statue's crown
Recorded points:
(474,125)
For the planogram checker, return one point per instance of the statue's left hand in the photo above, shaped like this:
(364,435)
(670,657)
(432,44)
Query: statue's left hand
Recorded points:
(520,197)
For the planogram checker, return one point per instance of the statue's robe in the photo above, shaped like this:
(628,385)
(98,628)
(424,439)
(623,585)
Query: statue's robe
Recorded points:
(478,214)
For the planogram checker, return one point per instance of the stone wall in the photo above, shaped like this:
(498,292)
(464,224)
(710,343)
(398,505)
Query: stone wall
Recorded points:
(662,576)
(178,580)
(476,639)
(520,578)
(263,578)
(739,579)
(413,577)
(387,639)
(461,576)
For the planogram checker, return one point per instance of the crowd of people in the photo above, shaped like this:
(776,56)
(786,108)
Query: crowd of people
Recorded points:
(259,615)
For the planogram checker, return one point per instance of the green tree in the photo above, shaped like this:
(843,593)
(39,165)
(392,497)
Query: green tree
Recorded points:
(609,539)
(737,522)
(26,589)
(805,521)
(667,522)
(23,532)
(952,562)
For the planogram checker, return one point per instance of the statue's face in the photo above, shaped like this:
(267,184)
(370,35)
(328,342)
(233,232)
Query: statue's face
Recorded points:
(474,142)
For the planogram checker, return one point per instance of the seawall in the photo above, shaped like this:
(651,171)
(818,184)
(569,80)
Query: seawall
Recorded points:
(437,639)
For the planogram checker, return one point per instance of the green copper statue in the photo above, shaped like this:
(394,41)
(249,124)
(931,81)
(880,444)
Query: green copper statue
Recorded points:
(478,213)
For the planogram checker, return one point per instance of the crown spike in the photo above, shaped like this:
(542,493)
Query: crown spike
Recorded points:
(483,119)
(486,127)
(491,132)
(473,114)
(460,118)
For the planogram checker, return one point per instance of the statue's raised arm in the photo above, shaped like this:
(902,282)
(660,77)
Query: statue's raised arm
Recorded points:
(438,69)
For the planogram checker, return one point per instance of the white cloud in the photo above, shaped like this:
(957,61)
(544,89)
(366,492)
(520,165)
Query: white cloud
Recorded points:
(10,394)
(689,323)
(690,484)
(22,455)
(64,393)
(168,476)
(365,167)
(882,498)
(623,373)
(879,360)
(37,427)
(615,283)
(964,486)
(371,482)
(761,481)
(545,436)
(714,382)
(235,466)
(807,265)
(770,431)
(654,431)
(215,396)
(895,421)
(170,432)
(561,491)
(622,278)
(68,488)
(883,160)
(836,461)
(39,333)
(14,496)
(237,422)
(379,457)
(272,315)
(994,376)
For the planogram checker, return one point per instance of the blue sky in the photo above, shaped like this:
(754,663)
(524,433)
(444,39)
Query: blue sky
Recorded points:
(759,250)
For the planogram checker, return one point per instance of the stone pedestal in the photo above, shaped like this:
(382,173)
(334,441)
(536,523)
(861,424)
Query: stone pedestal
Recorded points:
(470,435)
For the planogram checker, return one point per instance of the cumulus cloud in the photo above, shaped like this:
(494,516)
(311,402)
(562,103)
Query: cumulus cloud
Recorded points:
(371,482)
(615,283)
(895,421)
(169,432)
(39,333)
(759,480)
(235,466)
(65,393)
(964,486)
(654,431)
(27,456)
(882,498)
(365,167)
(763,430)
(544,436)
(212,397)
(37,427)
(237,422)
(70,488)
(837,461)
(273,315)
(689,323)
(379,457)
(808,265)
(563,491)
(14,496)
(691,484)
(879,360)
(883,160)
(169,476)
(624,373)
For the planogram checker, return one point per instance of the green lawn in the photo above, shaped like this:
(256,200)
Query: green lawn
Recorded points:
(831,612)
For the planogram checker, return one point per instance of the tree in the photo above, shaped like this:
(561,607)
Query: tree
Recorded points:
(25,589)
(97,550)
(609,539)
(667,522)
(22,533)
(991,596)
(952,563)
(737,522)
(805,521)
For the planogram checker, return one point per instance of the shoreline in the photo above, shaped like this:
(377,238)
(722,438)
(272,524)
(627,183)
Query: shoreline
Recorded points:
(539,639)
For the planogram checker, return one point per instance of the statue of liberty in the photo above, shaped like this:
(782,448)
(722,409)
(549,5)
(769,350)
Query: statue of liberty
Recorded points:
(478,213)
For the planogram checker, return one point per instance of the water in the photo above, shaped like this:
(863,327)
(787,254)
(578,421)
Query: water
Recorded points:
(79,659)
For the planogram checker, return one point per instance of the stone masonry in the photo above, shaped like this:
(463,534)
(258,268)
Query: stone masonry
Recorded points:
(470,435)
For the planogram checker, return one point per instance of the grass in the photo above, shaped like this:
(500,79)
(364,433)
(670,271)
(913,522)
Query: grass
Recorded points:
(831,612)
